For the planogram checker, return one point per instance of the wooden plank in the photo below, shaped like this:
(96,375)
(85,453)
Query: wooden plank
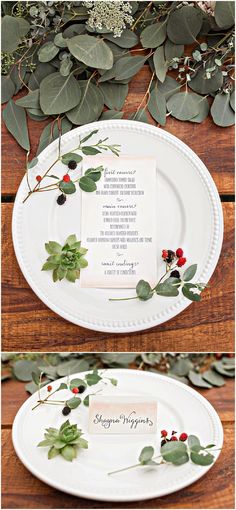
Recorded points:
(214,145)
(28,322)
(20,489)
(14,395)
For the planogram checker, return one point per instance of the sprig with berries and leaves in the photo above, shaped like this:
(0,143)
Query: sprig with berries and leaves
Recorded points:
(171,282)
(76,387)
(66,184)
(176,451)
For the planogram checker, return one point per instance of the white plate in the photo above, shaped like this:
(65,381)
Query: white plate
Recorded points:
(180,408)
(189,215)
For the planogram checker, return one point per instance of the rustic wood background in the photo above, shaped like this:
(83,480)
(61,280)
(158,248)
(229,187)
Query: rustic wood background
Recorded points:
(28,324)
(20,489)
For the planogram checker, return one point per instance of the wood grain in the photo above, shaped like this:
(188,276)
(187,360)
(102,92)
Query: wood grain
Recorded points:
(214,145)
(215,490)
(28,324)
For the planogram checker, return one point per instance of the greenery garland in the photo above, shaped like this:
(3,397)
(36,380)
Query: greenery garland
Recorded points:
(72,58)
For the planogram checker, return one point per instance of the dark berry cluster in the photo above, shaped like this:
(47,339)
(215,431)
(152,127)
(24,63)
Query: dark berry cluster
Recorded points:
(170,256)
(173,437)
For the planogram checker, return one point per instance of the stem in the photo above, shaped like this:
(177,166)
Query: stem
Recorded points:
(133,466)
(141,15)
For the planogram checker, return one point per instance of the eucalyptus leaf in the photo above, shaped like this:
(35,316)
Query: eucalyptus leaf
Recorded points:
(15,120)
(169,87)
(140,116)
(189,273)
(41,71)
(204,108)
(160,64)
(143,290)
(74,29)
(232,100)
(72,367)
(51,133)
(66,66)
(221,369)
(92,51)
(184,24)
(58,94)
(126,67)
(221,111)
(23,369)
(202,459)
(181,367)
(7,88)
(146,454)
(157,105)
(153,35)
(173,50)
(188,292)
(31,100)
(213,378)
(173,451)
(66,158)
(74,402)
(224,13)
(111,114)
(114,95)
(199,83)
(87,184)
(60,41)
(128,39)
(47,52)
(67,187)
(13,29)
(183,105)
(197,380)
(90,106)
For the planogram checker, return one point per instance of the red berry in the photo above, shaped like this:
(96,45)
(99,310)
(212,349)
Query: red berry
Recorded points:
(164,254)
(181,261)
(179,252)
(38,178)
(66,178)
(183,436)
(49,388)
(75,390)
(174,438)
(164,433)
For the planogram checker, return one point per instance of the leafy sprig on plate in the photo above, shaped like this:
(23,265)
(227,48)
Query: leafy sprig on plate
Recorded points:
(170,283)
(65,441)
(65,261)
(176,453)
(66,184)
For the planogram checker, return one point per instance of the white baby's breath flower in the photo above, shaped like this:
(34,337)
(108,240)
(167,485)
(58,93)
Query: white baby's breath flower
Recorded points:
(113,16)
(208,7)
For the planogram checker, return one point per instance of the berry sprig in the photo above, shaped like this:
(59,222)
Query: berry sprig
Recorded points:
(171,282)
(75,387)
(175,451)
(66,185)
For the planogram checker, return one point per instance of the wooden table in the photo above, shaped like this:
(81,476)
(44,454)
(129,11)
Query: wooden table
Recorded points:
(21,490)
(29,324)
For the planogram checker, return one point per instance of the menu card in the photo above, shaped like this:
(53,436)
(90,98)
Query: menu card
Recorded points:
(118,223)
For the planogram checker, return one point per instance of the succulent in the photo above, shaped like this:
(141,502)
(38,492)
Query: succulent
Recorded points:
(65,261)
(64,441)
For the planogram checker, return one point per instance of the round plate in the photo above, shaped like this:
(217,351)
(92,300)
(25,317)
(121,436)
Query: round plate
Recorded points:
(189,215)
(180,408)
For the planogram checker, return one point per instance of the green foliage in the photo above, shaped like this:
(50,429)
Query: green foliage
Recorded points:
(78,68)
(65,261)
(64,441)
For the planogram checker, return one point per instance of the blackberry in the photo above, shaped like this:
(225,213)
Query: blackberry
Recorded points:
(66,410)
(171,256)
(175,274)
(72,165)
(81,389)
(164,441)
(61,199)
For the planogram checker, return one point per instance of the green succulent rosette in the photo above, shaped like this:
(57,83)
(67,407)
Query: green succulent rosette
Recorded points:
(65,261)
(65,441)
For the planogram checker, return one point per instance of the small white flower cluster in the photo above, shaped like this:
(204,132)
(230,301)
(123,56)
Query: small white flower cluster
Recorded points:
(113,16)
(208,7)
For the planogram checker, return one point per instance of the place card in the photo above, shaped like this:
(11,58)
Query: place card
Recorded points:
(118,223)
(122,415)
